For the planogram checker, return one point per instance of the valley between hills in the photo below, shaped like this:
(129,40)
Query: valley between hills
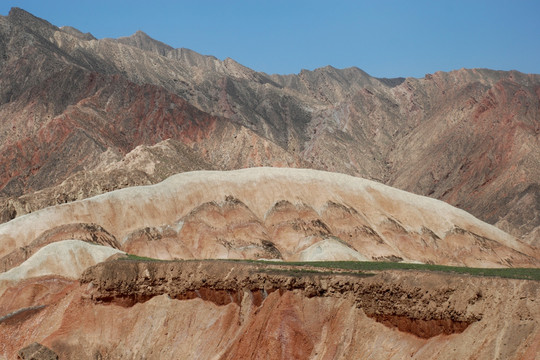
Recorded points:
(159,203)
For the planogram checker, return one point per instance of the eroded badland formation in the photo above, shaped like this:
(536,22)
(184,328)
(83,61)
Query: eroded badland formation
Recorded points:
(127,146)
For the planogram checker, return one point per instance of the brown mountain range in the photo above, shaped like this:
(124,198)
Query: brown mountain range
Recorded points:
(66,284)
(102,143)
(70,104)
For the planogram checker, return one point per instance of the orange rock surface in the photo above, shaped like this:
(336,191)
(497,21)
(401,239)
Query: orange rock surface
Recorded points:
(386,316)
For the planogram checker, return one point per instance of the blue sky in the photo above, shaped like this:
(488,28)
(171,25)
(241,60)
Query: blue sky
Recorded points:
(383,38)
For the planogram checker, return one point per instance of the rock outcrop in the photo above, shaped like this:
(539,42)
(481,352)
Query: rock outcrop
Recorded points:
(36,351)
(127,282)
(230,310)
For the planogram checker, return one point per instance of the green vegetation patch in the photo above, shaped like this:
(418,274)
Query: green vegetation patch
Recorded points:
(298,271)
(138,258)
(511,273)
(359,268)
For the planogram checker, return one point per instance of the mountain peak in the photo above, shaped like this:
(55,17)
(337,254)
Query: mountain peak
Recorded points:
(140,34)
(143,41)
(28,20)
(77,33)
(16,11)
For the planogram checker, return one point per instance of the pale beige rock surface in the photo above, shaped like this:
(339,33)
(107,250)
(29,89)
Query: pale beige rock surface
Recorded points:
(67,258)
(278,213)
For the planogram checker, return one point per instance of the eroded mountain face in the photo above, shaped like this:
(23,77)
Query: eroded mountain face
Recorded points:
(66,283)
(229,310)
(269,213)
(82,119)
(72,105)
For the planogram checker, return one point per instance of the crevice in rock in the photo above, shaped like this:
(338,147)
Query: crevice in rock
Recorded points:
(21,314)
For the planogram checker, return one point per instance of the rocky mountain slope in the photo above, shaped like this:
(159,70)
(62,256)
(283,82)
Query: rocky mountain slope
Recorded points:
(72,106)
(229,310)
(115,146)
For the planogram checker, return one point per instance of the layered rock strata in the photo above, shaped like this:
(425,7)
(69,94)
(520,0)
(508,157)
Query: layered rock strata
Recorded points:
(126,283)
(229,310)
(291,214)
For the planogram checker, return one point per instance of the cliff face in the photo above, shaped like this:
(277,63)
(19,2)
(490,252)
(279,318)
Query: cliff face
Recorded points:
(230,310)
(68,101)
(127,283)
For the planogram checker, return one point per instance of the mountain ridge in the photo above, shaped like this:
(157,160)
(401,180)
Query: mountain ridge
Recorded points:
(468,137)
(143,190)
